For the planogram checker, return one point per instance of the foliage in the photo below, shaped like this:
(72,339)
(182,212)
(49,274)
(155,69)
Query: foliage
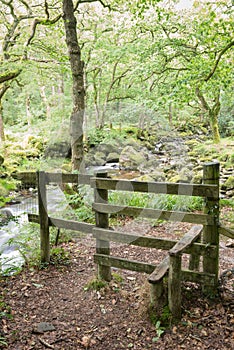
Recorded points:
(176,203)
(59,256)
(95,284)
(159,331)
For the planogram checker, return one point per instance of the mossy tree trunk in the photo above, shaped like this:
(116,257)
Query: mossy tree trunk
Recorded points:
(212,112)
(3,90)
(77,69)
(2,134)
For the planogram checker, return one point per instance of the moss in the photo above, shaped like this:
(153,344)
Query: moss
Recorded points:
(229,183)
(95,284)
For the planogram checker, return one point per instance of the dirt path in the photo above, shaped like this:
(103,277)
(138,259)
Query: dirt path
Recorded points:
(115,317)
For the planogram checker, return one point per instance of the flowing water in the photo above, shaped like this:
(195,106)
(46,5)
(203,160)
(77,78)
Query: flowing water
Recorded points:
(15,216)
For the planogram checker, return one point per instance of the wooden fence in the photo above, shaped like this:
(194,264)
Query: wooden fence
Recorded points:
(201,240)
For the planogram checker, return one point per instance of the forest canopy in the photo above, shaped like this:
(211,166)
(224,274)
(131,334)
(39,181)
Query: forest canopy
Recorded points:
(90,63)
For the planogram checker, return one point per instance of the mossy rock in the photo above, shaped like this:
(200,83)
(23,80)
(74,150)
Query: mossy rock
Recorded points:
(145,178)
(112,157)
(229,184)
(158,176)
(67,167)
(1,159)
(197,178)
(130,158)
(183,177)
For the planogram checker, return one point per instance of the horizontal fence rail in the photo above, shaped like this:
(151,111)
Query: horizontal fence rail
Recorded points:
(156,214)
(65,224)
(56,178)
(151,242)
(183,189)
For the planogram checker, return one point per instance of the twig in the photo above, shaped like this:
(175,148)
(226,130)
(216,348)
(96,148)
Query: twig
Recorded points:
(47,345)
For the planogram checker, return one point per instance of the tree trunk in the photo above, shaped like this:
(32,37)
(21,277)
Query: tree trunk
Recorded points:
(213,117)
(212,113)
(45,101)
(28,113)
(77,69)
(2,134)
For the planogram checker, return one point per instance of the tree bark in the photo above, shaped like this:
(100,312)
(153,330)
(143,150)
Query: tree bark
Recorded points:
(77,69)
(212,113)
(2,134)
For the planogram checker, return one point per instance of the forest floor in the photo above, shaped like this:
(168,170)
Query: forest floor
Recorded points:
(53,308)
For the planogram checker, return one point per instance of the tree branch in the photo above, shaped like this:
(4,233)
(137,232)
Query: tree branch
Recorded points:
(9,75)
(225,49)
(3,90)
(90,1)
(202,100)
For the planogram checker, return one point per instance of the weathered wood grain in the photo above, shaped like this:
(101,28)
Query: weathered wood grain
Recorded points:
(211,191)
(187,240)
(156,214)
(122,263)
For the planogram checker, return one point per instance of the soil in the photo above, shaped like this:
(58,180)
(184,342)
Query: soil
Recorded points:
(55,308)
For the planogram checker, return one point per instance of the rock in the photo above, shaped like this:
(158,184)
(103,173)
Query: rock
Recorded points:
(99,158)
(149,166)
(1,159)
(197,178)
(158,176)
(230,243)
(130,158)
(60,149)
(145,178)
(229,183)
(43,327)
(112,157)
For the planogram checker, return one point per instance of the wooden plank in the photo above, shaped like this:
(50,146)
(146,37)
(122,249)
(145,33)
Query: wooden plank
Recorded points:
(226,231)
(83,227)
(152,242)
(202,249)
(31,178)
(211,191)
(68,178)
(198,277)
(102,221)
(65,224)
(211,174)
(157,214)
(174,286)
(124,264)
(197,248)
(131,239)
(43,217)
(160,271)
(187,240)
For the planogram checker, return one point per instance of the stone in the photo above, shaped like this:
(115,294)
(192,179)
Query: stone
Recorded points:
(43,327)
(131,158)
(112,157)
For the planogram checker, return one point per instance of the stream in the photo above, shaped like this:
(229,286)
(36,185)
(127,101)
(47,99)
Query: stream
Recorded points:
(15,216)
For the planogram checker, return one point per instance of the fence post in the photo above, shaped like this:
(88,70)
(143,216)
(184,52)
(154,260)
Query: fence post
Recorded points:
(174,287)
(211,173)
(43,217)
(102,220)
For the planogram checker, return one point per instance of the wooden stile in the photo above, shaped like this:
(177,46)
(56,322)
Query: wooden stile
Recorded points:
(102,221)
(43,217)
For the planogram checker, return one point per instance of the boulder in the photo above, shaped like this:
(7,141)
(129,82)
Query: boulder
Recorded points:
(130,158)
(112,157)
